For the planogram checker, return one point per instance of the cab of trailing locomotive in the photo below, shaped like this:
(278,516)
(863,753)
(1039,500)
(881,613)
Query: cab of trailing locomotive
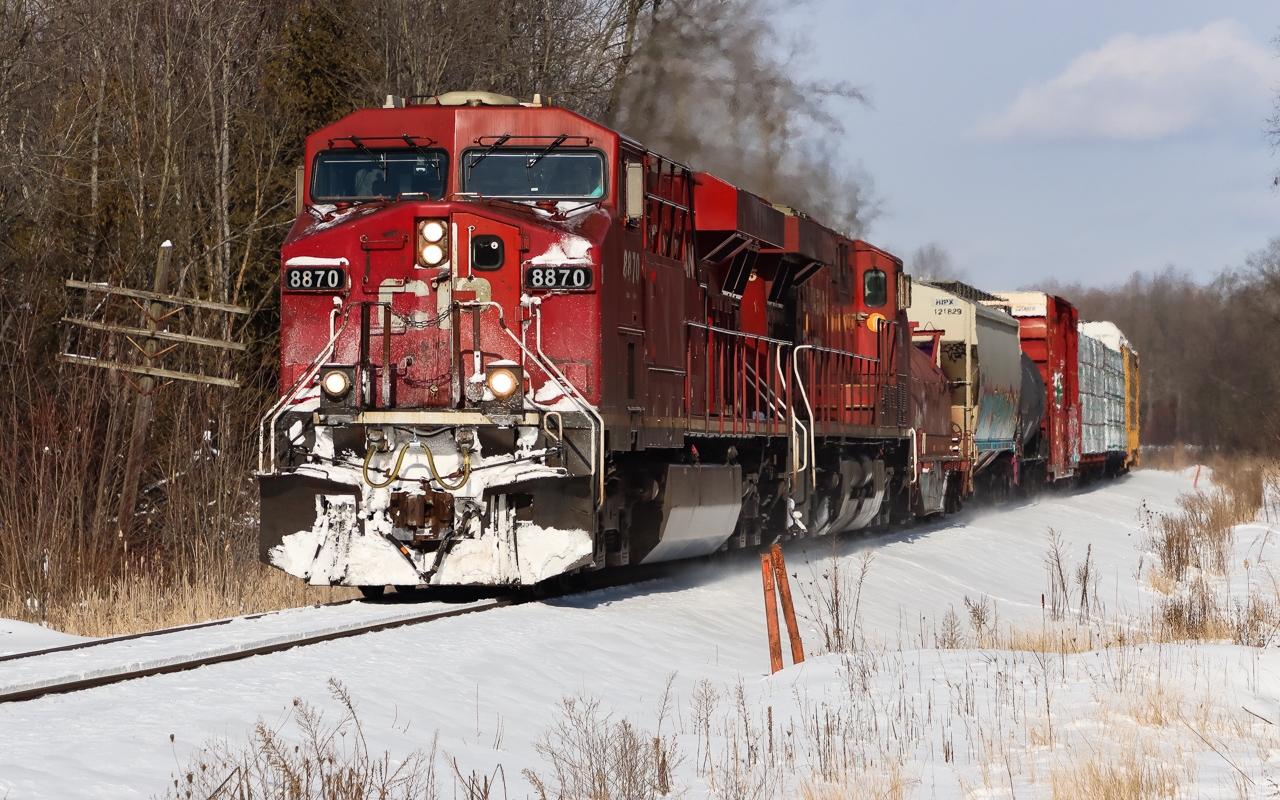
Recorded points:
(442,245)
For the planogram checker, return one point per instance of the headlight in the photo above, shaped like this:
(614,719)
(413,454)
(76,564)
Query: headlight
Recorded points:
(503,383)
(335,383)
(432,254)
(433,242)
(433,230)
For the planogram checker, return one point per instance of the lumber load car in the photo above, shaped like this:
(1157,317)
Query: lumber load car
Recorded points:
(517,345)
(1109,400)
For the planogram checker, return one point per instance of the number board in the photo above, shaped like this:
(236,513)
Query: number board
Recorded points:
(558,278)
(314,279)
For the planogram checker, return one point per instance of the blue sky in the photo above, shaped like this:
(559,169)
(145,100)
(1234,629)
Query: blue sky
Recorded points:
(1081,141)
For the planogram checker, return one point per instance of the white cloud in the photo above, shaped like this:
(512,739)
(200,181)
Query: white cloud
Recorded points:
(1147,87)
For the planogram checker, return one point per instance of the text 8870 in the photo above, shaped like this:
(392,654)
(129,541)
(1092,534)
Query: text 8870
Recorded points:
(314,279)
(558,277)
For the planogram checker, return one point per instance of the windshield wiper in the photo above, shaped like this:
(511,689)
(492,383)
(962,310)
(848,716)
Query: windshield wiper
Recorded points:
(380,162)
(476,159)
(432,158)
(559,141)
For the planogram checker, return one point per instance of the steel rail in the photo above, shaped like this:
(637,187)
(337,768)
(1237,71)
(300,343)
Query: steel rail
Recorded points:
(80,684)
(160,632)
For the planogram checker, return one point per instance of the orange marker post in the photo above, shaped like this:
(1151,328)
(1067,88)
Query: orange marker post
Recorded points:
(771,612)
(788,609)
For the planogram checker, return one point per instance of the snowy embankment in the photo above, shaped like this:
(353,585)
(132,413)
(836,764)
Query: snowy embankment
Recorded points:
(23,637)
(126,654)
(946,723)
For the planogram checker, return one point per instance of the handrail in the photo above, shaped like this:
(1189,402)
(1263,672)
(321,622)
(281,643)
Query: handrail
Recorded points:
(819,349)
(796,466)
(575,394)
(915,457)
(737,380)
(541,359)
(804,395)
(268,422)
(738,334)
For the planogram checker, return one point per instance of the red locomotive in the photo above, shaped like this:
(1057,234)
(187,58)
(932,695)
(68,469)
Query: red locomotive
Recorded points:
(516,344)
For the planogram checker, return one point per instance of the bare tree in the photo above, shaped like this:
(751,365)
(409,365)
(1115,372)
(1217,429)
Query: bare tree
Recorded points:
(932,261)
(1273,123)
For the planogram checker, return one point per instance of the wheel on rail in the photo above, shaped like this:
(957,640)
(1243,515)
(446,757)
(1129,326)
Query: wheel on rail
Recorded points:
(372,592)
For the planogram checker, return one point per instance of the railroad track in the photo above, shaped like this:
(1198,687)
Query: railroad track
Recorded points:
(108,676)
(160,632)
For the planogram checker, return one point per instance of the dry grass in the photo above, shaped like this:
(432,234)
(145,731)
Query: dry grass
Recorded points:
(191,554)
(146,603)
(329,760)
(1200,535)
(1110,775)
(889,784)
(593,757)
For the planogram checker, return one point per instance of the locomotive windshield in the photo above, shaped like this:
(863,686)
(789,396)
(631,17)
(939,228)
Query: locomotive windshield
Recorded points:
(534,173)
(364,174)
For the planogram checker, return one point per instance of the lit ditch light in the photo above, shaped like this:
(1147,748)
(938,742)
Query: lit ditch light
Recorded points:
(504,381)
(433,242)
(337,383)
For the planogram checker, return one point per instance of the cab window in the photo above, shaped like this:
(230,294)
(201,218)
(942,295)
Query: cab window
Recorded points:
(363,174)
(534,174)
(875,288)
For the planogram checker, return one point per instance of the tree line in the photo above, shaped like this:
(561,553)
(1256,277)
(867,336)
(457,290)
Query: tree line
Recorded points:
(1210,369)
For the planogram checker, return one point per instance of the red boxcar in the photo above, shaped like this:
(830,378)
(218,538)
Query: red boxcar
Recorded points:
(1048,330)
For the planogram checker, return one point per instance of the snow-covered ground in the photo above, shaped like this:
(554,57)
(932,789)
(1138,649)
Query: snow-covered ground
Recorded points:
(952,723)
(23,637)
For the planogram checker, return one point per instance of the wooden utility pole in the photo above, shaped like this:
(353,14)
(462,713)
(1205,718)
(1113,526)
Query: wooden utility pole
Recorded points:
(149,370)
(142,409)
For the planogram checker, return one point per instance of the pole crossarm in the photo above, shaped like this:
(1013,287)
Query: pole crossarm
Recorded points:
(172,299)
(154,372)
(167,336)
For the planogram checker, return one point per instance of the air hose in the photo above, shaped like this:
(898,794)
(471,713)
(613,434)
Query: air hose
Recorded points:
(431,464)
